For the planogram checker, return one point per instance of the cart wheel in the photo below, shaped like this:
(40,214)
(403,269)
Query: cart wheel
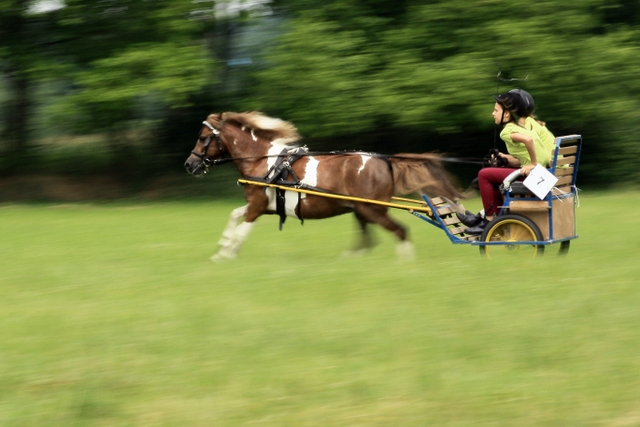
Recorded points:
(564,247)
(511,228)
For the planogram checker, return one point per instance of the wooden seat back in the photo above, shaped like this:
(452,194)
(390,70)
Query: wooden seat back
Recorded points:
(565,162)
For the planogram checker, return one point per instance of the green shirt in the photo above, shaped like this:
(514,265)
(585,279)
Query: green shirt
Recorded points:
(519,150)
(548,140)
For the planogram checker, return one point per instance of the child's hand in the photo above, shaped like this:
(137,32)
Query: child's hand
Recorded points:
(526,170)
(498,159)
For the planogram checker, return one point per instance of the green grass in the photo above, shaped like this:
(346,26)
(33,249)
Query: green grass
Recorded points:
(113,315)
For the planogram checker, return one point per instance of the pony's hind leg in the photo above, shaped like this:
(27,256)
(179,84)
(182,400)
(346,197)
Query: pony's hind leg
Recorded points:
(365,241)
(379,215)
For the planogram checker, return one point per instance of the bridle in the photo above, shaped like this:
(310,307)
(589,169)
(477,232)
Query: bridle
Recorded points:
(203,156)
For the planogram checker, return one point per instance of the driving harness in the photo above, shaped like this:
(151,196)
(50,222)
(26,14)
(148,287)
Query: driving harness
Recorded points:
(280,173)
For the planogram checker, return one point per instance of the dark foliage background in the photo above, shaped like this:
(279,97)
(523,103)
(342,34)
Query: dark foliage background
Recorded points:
(119,87)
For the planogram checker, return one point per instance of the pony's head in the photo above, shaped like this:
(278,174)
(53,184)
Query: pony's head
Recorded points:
(209,146)
(246,131)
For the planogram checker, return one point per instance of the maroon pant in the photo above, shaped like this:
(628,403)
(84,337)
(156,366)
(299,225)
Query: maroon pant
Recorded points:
(489,180)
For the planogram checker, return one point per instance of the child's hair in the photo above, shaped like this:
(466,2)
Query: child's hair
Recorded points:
(510,102)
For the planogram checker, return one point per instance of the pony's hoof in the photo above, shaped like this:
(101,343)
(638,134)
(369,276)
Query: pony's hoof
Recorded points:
(224,241)
(222,256)
(405,252)
(355,253)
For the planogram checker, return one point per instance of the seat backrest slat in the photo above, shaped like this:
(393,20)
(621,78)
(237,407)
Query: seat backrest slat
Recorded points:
(566,161)
(564,171)
(571,149)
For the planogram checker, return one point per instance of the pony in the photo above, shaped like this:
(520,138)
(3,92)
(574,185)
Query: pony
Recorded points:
(263,148)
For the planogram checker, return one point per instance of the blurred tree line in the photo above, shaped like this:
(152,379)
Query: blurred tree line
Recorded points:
(380,75)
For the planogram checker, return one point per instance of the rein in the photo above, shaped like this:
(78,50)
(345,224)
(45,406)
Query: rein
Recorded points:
(472,161)
(216,133)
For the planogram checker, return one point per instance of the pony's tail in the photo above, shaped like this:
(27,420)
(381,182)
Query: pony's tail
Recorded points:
(422,174)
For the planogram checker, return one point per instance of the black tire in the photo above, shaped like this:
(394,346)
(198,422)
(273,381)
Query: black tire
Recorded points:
(564,247)
(511,228)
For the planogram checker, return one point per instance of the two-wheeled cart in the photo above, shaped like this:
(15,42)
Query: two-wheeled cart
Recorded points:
(525,223)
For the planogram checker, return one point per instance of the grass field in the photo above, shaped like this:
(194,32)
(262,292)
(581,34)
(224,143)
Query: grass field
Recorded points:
(112,315)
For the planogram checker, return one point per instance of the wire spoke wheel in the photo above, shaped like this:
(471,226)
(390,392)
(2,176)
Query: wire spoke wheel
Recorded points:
(511,230)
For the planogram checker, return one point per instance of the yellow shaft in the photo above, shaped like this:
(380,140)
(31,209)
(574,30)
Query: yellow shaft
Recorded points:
(343,197)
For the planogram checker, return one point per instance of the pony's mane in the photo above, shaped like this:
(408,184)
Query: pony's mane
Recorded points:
(261,125)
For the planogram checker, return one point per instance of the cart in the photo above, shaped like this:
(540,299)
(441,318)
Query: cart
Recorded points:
(525,224)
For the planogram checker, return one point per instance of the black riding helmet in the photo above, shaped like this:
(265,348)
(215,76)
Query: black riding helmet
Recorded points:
(518,102)
(510,102)
(527,105)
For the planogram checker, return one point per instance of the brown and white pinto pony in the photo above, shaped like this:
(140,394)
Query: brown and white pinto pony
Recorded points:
(252,141)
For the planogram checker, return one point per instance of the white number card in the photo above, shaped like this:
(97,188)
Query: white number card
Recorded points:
(540,181)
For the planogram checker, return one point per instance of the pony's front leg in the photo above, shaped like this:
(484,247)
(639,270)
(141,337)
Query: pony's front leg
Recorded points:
(235,235)
(234,218)
(233,244)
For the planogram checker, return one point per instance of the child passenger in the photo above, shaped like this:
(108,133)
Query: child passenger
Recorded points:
(525,149)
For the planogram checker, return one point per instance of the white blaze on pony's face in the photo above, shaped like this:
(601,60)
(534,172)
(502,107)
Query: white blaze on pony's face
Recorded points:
(198,162)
